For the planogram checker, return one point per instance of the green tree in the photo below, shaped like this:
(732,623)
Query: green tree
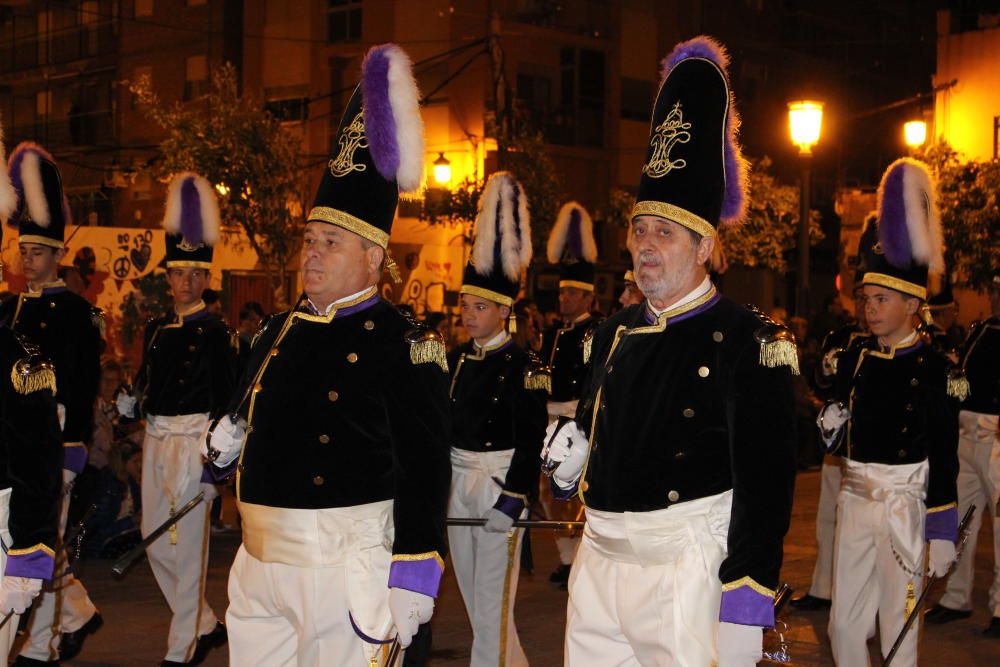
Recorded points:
(969,203)
(233,142)
(770,230)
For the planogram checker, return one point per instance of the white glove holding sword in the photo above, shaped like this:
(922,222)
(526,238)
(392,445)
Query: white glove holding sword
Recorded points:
(567,447)
(222,443)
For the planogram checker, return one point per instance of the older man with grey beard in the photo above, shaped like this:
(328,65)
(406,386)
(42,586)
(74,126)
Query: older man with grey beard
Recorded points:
(682,446)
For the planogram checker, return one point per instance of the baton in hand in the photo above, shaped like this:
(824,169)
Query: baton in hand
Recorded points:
(520,523)
(136,552)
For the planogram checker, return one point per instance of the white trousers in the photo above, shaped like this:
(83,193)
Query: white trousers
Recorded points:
(645,587)
(298,605)
(63,607)
(826,524)
(880,523)
(979,484)
(9,632)
(486,564)
(171,467)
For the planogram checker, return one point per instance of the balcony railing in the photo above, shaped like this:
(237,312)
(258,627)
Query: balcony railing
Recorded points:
(58,47)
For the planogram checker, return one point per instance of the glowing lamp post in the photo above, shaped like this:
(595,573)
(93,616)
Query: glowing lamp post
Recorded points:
(442,170)
(805,122)
(915,133)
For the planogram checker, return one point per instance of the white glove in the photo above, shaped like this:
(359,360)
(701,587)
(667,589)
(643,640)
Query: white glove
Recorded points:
(61,415)
(226,438)
(739,645)
(831,419)
(942,556)
(16,594)
(125,404)
(409,609)
(497,522)
(569,449)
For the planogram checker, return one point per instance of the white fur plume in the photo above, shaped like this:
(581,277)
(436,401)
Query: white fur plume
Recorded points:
(559,236)
(498,199)
(923,222)
(405,99)
(34,190)
(8,195)
(176,219)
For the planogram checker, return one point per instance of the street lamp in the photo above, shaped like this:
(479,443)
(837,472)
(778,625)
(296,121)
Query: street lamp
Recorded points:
(442,170)
(805,120)
(915,133)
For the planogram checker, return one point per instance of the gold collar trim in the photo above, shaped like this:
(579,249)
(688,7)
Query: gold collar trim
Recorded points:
(326,319)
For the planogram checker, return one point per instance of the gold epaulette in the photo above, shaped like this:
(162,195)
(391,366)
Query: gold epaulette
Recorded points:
(958,384)
(588,344)
(234,339)
(777,343)
(97,319)
(427,346)
(32,374)
(537,376)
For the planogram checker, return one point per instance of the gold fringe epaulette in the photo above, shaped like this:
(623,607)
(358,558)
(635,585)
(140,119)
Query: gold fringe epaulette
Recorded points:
(777,343)
(97,319)
(427,346)
(588,345)
(33,374)
(538,377)
(958,385)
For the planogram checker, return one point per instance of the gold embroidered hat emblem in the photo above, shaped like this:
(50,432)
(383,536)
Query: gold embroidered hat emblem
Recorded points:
(351,139)
(187,246)
(672,131)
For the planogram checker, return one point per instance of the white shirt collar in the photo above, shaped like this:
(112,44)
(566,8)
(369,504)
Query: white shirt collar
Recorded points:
(327,310)
(698,291)
(496,341)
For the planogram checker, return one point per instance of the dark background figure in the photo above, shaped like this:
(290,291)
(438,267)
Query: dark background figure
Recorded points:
(114,527)
(212,301)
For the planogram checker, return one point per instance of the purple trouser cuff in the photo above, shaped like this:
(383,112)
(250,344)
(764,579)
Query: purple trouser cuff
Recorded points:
(34,563)
(942,525)
(74,457)
(560,493)
(745,606)
(420,576)
(509,505)
(213,474)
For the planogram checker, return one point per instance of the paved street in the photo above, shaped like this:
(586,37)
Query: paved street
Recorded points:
(137,618)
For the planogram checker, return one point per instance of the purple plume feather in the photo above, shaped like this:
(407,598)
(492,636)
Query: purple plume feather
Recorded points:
(734,200)
(574,237)
(192,225)
(893,235)
(14,170)
(380,126)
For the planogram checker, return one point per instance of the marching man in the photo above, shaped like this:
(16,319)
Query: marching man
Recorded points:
(565,347)
(340,429)
(67,329)
(835,343)
(498,394)
(30,462)
(682,447)
(978,466)
(897,429)
(187,377)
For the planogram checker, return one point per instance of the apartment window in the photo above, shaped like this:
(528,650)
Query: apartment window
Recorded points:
(43,103)
(343,22)
(534,96)
(637,99)
(44,36)
(143,7)
(195,76)
(89,16)
(196,3)
(582,90)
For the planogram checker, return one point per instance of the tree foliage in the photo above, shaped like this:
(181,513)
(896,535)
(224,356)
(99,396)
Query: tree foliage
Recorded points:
(770,230)
(969,202)
(242,149)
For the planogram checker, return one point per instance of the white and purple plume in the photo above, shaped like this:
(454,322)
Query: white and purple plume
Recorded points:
(192,210)
(909,227)
(734,202)
(503,215)
(572,235)
(393,124)
(25,173)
